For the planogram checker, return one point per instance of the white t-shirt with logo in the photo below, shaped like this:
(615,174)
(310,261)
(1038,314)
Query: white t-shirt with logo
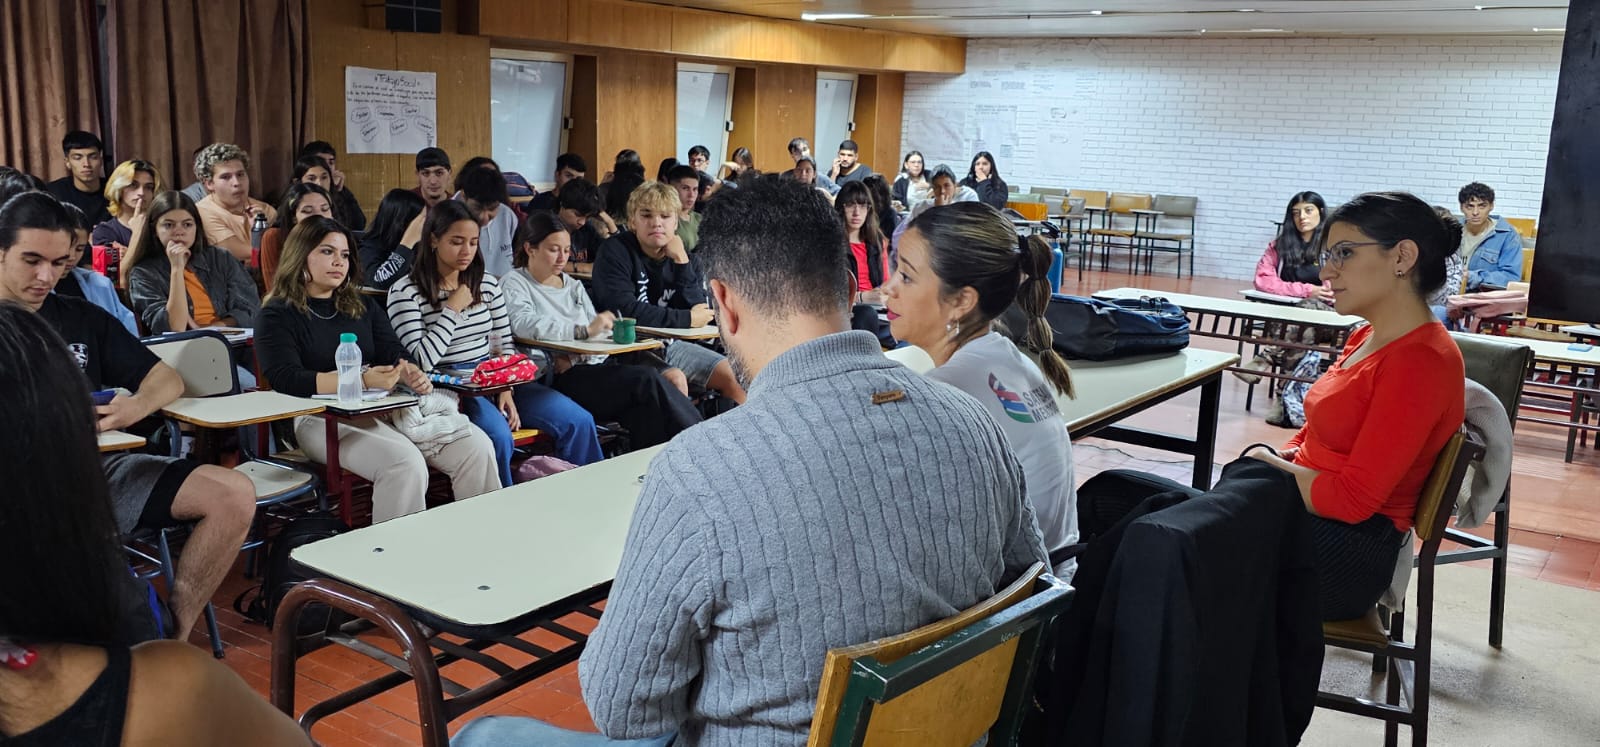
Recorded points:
(1019,398)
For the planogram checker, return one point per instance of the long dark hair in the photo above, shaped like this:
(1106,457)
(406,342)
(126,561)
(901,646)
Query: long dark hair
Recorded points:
(534,229)
(971,245)
(857,193)
(289,284)
(395,213)
(149,246)
(1393,217)
(291,203)
(425,270)
(923,175)
(972,171)
(61,563)
(1294,251)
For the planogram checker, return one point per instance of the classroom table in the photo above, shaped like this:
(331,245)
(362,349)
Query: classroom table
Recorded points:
(1109,391)
(1264,297)
(596,346)
(1553,361)
(1259,324)
(1587,333)
(236,410)
(708,332)
(333,413)
(467,570)
(119,441)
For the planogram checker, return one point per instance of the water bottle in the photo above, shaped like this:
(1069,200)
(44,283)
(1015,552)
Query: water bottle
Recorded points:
(348,360)
(258,227)
(1055,268)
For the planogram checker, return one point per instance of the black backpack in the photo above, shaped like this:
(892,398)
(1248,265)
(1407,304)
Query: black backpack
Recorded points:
(280,577)
(1096,330)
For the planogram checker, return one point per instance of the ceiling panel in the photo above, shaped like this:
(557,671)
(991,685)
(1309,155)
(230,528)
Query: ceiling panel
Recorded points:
(1074,18)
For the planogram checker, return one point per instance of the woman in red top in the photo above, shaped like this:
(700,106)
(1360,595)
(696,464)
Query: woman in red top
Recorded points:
(1377,420)
(867,244)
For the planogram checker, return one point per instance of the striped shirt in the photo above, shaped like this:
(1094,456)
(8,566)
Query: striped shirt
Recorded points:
(436,335)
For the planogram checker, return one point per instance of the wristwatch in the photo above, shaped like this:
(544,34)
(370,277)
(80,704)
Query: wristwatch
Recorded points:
(580,332)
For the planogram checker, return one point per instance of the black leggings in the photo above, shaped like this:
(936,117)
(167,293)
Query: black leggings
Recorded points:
(636,397)
(1355,562)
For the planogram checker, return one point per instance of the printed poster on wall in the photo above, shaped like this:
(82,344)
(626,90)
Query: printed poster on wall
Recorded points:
(389,111)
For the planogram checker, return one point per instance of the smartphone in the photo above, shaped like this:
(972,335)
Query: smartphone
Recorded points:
(1581,347)
(103,397)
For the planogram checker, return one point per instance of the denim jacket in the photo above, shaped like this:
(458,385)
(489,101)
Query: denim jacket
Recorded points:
(1498,260)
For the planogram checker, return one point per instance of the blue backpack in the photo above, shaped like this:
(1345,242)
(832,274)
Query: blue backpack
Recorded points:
(1096,330)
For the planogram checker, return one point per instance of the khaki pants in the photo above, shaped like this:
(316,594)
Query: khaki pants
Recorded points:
(373,449)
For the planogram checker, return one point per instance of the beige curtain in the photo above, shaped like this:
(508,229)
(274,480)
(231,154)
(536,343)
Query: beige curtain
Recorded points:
(186,73)
(50,87)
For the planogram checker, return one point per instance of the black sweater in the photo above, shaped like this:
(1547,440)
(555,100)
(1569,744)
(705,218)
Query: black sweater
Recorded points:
(382,265)
(658,293)
(992,191)
(294,346)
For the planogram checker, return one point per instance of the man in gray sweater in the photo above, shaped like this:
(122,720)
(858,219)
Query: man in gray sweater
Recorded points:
(848,499)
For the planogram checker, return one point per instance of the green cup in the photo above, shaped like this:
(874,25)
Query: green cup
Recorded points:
(624,331)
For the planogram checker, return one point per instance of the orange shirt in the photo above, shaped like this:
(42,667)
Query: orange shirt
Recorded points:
(200,308)
(271,249)
(1374,429)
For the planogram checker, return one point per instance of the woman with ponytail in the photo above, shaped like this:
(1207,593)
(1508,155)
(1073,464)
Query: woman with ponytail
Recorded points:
(961,266)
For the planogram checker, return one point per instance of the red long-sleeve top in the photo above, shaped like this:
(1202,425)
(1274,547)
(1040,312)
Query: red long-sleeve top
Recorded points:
(1374,429)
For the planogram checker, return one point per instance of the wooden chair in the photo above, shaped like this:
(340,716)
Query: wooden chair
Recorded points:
(946,683)
(1119,223)
(1501,368)
(1409,665)
(1528,227)
(1527,266)
(1170,208)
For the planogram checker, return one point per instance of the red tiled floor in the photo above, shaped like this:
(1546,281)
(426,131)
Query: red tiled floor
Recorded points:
(1554,522)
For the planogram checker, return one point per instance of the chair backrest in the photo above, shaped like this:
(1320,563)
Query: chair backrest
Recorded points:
(1125,202)
(202,357)
(1091,198)
(1525,226)
(946,683)
(1438,498)
(1176,206)
(1499,364)
(1024,197)
(1527,264)
(1029,209)
(1052,191)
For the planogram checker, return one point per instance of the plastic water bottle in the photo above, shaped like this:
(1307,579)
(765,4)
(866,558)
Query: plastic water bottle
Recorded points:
(1055,268)
(348,360)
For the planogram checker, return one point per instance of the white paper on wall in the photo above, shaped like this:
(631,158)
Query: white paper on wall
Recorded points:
(389,111)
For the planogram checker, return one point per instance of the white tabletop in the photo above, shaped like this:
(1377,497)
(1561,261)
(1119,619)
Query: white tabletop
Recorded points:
(599,346)
(118,441)
(234,410)
(1256,295)
(708,332)
(381,404)
(1582,330)
(1235,307)
(1551,351)
(530,545)
(1106,387)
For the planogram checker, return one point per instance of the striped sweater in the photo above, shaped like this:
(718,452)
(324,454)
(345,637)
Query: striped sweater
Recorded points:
(809,518)
(436,335)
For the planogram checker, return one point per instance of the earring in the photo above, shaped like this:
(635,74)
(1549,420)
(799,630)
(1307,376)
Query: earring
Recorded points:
(952,329)
(1399,273)
(305,276)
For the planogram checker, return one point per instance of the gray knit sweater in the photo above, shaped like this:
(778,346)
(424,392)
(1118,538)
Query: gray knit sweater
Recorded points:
(807,519)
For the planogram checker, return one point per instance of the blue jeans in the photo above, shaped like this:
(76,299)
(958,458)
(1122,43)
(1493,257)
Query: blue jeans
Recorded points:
(539,407)
(511,731)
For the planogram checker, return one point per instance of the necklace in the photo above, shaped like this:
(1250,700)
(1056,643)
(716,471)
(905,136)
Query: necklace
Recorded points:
(327,318)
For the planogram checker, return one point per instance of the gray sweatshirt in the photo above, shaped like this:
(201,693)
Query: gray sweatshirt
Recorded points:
(808,519)
(540,312)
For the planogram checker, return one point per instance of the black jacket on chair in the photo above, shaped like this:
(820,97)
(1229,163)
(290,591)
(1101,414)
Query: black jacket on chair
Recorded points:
(1206,629)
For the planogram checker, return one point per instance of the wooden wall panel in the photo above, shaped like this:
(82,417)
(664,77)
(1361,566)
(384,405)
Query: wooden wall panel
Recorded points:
(850,49)
(716,35)
(924,54)
(744,114)
(585,118)
(879,105)
(532,20)
(619,25)
(332,49)
(635,105)
(786,107)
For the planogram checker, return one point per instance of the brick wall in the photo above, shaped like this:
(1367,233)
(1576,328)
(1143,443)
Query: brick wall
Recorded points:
(1245,123)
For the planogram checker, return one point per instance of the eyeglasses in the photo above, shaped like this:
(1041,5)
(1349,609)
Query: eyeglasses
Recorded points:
(1336,255)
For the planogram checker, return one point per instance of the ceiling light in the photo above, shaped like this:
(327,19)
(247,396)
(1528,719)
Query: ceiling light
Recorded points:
(1245,10)
(1563,28)
(832,16)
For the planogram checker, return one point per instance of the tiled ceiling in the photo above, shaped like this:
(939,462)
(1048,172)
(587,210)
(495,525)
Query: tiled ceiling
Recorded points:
(1192,18)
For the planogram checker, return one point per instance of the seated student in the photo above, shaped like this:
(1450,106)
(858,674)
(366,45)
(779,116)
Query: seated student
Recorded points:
(666,166)
(449,311)
(944,191)
(197,189)
(805,172)
(475,162)
(14,182)
(544,303)
(960,269)
(313,302)
(433,175)
(740,162)
(700,159)
(147,492)
(645,273)
(1454,274)
(911,186)
(70,676)
(228,209)
(869,250)
(569,167)
(1289,267)
(582,209)
(346,208)
(846,166)
(1490,247)
(712,627)
(389,245)
(984,178)
(83,185)
(686,183)
(799,148)
(82,282)
(882,205)
(619,190)
(130,190)
(179,280)
(482,188)
(301,200)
